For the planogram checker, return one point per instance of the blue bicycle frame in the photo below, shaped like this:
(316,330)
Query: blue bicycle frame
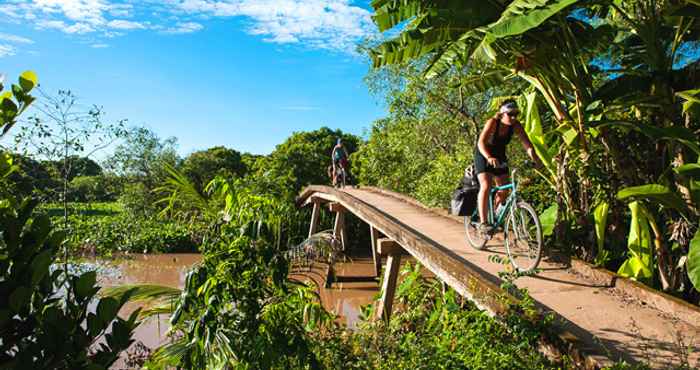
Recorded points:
(498,219)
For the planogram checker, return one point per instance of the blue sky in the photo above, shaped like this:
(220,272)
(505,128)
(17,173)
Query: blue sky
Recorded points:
(239,73)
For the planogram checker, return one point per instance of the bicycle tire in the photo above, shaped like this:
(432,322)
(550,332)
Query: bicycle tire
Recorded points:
(474,237)
(515,231)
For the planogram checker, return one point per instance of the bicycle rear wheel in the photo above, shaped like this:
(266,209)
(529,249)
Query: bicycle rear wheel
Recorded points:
(474,237)
(523,237)
(340,178)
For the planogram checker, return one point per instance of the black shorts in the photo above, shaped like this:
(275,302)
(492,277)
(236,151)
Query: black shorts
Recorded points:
(481,166)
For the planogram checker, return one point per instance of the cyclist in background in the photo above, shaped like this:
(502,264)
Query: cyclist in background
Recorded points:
(490,159)
(339,156)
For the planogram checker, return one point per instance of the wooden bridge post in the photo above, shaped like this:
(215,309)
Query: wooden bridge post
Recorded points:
(394,251)
(375,253)
(314,218)
(339,226)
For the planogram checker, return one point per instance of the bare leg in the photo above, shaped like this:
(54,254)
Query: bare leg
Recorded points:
(503,194)
(333,176)
(484,189)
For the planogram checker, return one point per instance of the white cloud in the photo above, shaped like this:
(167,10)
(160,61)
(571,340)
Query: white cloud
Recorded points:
(83,11)
(122,24)
(325,24)
(99,46)
(121,10)
(75,28)
(6,50)
(15,39)
(182,28)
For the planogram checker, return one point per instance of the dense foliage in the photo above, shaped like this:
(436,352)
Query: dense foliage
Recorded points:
(431,329)
(50,318)
(202,166)
(105,228)
(428,139)
(47,317)
(609,100)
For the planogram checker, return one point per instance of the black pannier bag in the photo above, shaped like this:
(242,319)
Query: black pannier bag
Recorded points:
(464,198)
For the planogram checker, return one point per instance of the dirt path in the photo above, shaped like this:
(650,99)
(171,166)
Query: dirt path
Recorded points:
(628,330)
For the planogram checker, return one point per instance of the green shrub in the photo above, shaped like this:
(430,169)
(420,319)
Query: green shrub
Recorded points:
(138,201)
(91,189)
(431,330)
(436,186)
(104,228)
(122,233)
(49,317)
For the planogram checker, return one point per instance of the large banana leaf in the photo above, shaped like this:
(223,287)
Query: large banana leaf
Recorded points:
(691,170)
(409,45)
(600,216)
(694,261)
(432,25)
(695,191)
(533,128)
(655,193)
(691,105)
(676,133)
(479,82)
(524,15)
(390,13)
(638,265)
(548,218)
(445,58)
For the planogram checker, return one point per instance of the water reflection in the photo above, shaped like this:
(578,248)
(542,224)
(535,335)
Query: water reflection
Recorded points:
(158,269)
(344,299)
(355,287)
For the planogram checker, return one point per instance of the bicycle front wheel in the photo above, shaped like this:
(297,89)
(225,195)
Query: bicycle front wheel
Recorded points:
(475,238)
(523,237)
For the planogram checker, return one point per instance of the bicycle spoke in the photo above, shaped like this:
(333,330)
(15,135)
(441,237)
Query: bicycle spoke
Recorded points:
(523,241)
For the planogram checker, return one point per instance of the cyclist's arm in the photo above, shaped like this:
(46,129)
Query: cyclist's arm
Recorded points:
(527,144)
(486,133)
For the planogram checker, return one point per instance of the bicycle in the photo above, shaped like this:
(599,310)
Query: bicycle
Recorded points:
(340,179)
(522,232)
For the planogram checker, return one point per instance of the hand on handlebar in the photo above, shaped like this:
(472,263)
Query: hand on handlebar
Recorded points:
(493,162)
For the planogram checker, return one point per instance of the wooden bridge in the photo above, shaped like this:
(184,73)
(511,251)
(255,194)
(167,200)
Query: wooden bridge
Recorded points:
(599,316)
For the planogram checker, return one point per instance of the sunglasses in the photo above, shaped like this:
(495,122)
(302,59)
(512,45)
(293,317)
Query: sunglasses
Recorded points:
(513,115)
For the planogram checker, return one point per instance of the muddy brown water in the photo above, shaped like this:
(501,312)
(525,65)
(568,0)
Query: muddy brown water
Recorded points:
(345,299)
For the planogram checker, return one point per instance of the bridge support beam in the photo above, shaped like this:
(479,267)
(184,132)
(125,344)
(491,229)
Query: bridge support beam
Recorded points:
(339,226)
(374,233)
(394,251)
(313,227)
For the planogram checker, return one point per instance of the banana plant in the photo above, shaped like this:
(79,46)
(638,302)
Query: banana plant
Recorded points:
(667,200)
(639,264)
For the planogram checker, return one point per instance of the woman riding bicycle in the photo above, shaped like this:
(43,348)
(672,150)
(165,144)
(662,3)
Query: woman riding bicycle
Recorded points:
(339,156)
(490,159)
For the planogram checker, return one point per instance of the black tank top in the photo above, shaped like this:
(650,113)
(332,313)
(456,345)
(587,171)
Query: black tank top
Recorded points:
(497,144)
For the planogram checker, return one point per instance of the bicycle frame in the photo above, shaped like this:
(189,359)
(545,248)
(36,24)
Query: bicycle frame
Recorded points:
(498,219)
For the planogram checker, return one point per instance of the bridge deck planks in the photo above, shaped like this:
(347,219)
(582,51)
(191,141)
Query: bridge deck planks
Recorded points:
(590,311)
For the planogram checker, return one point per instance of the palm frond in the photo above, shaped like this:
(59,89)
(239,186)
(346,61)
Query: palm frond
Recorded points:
(169,355)
(143,293)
